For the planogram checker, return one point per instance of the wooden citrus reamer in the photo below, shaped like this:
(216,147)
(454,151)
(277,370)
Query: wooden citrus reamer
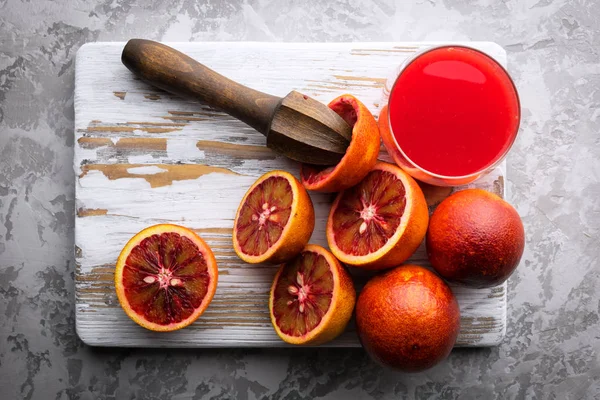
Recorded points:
(296,126)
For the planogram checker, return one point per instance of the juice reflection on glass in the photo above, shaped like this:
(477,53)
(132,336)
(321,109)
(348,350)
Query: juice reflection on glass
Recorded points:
(452,115)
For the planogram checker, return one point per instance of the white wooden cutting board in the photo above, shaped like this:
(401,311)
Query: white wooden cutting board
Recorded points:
(144,157)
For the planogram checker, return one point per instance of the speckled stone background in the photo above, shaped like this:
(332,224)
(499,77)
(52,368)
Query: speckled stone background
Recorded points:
(552,346)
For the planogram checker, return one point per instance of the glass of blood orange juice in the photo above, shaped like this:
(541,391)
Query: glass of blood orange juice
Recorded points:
(452,115)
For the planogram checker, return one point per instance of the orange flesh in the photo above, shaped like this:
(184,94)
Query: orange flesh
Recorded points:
(303,294)
(264,215)
(369,214)
(165,278)
(314,173)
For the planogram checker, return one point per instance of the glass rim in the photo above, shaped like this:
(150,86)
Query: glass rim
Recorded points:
(502,155)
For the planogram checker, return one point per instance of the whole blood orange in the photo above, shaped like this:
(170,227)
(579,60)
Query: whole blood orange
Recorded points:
(475,238)
(312,298)
(407,319)
(380,222)
(360,156)
(274,220)
(165,277)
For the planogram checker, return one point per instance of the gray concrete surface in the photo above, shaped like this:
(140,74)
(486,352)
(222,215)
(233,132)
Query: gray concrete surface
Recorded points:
(553,341)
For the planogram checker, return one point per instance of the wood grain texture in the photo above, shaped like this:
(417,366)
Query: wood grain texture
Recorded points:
(296,126)
(143,156)
(176,72)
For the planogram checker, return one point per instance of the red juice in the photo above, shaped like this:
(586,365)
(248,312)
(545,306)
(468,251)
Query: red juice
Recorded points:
(454,111)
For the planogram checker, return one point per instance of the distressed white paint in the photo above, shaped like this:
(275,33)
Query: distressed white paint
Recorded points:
(149,170)
(238,315)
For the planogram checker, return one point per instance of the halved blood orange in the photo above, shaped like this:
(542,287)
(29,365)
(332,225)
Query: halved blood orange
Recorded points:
(166,276)
(312,298)
(380,222)
(274,220)
(360,157)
